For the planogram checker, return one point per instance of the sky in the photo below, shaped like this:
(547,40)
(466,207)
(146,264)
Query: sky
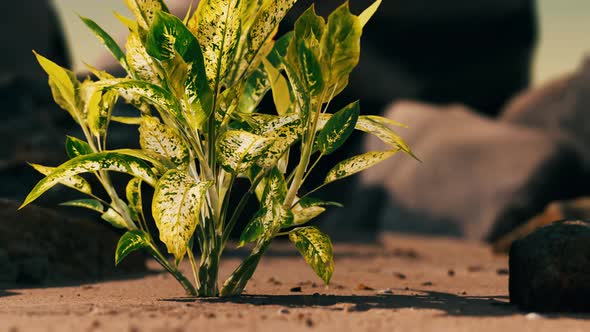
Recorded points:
(565,32)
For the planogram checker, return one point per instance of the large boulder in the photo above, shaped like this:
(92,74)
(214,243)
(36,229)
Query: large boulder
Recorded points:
(479,178)
(550,269)
(560,107)
(39,246)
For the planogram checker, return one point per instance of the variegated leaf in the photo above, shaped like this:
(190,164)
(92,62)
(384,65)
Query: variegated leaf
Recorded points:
(134,199)
(340,44)
(108,161)
(145,10)
(378,128)
(284,137)
(337,130)
(280,88)
(238,150)
(76,147)
(140,63)
(260,32)
(75,182)
(357,164)
(100,108)
(169,37)
(130,242)
(90,204)
(217,26)
(316,249)
(114,218)
(256,87)
(303,215)
(175,207)
(156,137)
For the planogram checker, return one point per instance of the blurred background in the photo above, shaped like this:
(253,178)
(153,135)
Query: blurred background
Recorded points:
(495,93)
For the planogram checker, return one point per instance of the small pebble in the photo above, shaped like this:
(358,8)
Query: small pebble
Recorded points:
(428,283)
(451,273)
(474,268)
(387,291)
(364,287)
(400,276)
(274,281)
(533,316)
(316,294)
(283,311)
(309,322)
(296,289)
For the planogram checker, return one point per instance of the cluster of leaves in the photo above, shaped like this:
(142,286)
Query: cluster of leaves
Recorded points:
(197,84)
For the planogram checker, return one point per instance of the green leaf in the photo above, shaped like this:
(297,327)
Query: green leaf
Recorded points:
(366,15)
(316,249)
(114,218)
(385,121)
(130,242)
(356,164)
(134,199)
(145,10)
(128,120)
(256,87)
(91,204)
(338,129)
(253,229)
(309,202)
(108,161)
(217,26)
(156,137)
(284,137)
(76,147)
(280,88)
(175,208)
(340,44)
(238,150)
(169,37)
(303,215)
(63,84)
(74,182)
(107,40)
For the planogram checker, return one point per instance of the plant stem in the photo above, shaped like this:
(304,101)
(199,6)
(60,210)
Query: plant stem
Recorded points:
(235,284)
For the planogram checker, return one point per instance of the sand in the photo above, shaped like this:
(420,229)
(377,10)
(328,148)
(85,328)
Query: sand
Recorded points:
(436,285)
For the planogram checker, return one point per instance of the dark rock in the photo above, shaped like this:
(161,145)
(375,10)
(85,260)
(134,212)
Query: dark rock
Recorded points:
(39,246)
(479,178)
(550,269)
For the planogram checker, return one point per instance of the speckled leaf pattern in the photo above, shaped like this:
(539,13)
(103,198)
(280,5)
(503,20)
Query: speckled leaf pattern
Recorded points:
(316,249)
(139,61)
(217,26)
(90,204)
(384,133)
(75,182)
(76,147)
(284,137)
(175,208)
(303,215)
(134,198)
(145,10)
(238,150)
(108,161)
(100,108)
(130,242)
(357,164)
(337,130)
(256,87)
(341,44)
(156,137)
(261,31)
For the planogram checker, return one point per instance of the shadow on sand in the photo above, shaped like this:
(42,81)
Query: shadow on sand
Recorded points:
(448,304)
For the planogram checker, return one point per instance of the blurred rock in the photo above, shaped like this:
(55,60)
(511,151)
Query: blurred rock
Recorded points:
(560,108)
(577,209)
(550,269)
(479,178)
(40,246)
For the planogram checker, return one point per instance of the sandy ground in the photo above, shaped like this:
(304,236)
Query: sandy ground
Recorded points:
(437,285)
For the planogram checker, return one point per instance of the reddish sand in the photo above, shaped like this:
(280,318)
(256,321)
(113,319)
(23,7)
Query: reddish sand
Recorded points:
(437,284)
